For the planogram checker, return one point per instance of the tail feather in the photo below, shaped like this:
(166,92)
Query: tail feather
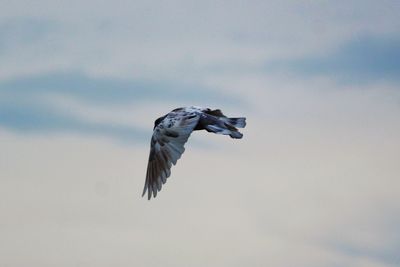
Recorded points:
(223,129)
(236,134)
(236,122)
(214,121)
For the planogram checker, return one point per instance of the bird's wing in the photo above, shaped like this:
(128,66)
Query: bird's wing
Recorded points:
(167,146)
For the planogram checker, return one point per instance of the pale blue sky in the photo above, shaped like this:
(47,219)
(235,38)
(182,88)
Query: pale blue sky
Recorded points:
(365,59)
(315,178)
(26,102)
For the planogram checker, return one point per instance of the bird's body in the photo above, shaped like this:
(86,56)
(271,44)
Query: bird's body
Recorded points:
(171,132)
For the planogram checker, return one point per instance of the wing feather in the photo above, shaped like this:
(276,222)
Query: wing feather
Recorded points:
(167,146)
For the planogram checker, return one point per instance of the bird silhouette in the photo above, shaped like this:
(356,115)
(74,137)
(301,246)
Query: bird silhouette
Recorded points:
(171,132)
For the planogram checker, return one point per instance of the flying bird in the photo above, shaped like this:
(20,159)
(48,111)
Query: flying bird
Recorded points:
(171,132)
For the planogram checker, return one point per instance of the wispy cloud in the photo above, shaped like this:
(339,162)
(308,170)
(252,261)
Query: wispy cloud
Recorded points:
(39,118)
(26,31)
(106,90)
(385,252)
(307,180)
(361,60)
(26,102)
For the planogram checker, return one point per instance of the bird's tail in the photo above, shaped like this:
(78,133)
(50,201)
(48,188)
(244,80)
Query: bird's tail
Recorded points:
(224,125)
(235,122)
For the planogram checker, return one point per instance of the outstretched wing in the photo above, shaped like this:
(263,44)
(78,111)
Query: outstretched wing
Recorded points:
(167,146)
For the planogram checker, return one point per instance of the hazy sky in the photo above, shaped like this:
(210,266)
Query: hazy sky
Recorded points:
(315,181)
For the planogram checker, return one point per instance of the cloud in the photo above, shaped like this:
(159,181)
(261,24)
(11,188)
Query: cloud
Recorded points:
(178,40)
(27,102)
(306,180)
(386,254)
(38,118)
(106,90)
(25,32)
(361,60)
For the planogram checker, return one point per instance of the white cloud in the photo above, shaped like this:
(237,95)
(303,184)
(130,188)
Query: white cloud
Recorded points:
(175,39)
(313,184)
(314,181)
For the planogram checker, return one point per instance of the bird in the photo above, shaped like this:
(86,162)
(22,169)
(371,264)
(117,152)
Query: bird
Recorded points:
(171,132)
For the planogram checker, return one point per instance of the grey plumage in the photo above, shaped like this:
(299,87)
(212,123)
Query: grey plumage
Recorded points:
(171,132)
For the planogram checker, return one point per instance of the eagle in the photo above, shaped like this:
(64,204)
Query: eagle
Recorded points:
(171,132)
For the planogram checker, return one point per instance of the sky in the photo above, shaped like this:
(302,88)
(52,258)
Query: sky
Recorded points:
(314,181)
